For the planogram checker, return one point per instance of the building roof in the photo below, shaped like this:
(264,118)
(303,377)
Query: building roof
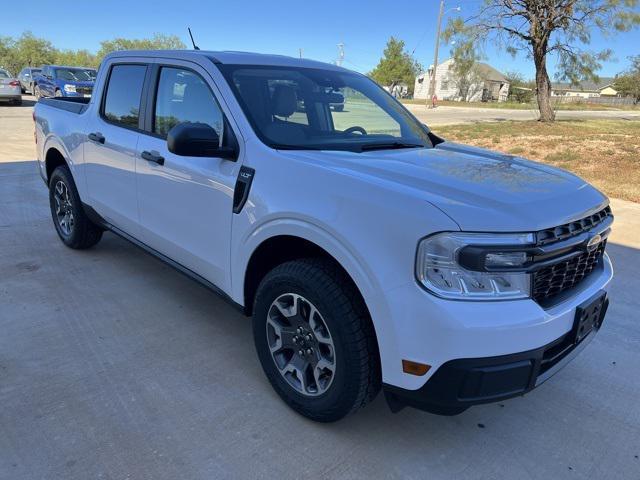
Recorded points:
(229,57)
(486,70)
(490,73)
(586,86)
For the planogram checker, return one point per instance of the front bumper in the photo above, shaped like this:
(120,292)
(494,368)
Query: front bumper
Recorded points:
(459,384)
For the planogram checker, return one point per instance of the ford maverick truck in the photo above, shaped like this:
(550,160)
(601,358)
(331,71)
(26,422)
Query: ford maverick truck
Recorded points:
(371,253)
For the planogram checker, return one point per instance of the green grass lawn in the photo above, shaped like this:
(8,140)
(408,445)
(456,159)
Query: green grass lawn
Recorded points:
(603,152)
(527,106)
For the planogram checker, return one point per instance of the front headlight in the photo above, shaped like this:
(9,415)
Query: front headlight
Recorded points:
(70,88)
(438,266)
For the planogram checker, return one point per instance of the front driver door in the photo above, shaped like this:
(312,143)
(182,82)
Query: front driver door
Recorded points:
(186,202)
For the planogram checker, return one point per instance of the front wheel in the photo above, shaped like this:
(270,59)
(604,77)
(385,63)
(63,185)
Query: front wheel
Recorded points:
(58,93)
(37,93)
(315,339)
(74,228)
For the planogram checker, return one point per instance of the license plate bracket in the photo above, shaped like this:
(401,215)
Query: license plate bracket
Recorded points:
(589,316)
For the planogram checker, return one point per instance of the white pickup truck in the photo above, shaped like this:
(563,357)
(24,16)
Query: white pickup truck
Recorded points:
(371,253)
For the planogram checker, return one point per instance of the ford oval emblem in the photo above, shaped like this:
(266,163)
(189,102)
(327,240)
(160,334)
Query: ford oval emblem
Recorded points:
(594,242)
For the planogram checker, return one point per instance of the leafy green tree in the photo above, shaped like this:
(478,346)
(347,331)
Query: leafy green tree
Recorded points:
(520,90)
(396,66)
(543,27)
(464,72)
(158,42)
(27,50)
(76,58)
(628,83)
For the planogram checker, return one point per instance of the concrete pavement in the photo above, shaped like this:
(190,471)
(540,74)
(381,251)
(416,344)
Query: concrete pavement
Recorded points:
(114,366)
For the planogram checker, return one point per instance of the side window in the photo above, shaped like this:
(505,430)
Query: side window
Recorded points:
(124,90)
(183,96)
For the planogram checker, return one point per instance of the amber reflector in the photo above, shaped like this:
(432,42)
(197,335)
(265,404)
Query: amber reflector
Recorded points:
(414,368)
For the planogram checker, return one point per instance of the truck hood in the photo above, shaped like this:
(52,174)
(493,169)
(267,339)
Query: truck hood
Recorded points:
(479,189)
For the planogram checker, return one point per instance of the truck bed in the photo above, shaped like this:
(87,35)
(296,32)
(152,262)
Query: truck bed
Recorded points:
(73,105)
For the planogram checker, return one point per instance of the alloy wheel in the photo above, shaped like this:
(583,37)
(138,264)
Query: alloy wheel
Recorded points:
(301,345)
(64,208)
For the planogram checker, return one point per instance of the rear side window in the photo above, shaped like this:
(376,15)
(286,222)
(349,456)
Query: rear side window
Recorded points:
(124,92)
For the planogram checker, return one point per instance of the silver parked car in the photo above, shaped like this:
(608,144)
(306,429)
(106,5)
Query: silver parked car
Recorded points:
(10,88)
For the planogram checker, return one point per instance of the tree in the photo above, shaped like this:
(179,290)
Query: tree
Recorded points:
(464,72)
(76,58)
(158,42)
(396,66)
(628,83)
(28,50)
(520,90)
(543,27)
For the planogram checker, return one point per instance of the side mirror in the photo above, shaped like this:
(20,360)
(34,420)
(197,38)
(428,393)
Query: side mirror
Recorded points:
(198,140)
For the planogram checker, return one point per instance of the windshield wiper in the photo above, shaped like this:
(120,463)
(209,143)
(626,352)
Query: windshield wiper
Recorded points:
(280,146)
(389,146)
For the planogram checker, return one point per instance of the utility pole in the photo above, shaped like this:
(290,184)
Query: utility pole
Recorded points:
(432,84)
(340,54)
(300,50)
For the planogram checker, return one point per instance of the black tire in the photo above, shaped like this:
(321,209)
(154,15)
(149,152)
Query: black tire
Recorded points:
(37,93)
(338,108)
(357,377)
(58,93)
(17,102)
(83,233)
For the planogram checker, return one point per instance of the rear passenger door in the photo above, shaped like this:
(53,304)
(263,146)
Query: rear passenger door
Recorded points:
(111,146)
(185,202)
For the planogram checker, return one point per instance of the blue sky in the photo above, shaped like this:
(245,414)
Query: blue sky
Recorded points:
(277,26)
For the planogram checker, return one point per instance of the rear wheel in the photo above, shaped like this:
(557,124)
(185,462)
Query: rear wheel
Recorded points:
(315,339)
(72,224)
(58,93)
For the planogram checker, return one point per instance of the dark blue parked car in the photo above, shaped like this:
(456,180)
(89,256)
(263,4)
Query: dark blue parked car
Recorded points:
(59,81)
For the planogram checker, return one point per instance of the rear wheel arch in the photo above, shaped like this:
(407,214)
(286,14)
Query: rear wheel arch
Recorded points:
(53,159)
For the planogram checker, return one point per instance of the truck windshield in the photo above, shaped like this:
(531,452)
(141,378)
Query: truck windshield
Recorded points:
(73,74)
(317,109)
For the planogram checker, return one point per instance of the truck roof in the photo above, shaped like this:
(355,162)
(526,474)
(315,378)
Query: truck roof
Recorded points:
(228,57)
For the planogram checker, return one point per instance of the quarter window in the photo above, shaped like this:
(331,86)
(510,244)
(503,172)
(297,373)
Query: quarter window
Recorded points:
(124,91)
(183,96)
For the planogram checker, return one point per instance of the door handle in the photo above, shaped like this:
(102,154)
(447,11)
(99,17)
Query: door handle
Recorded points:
(152,157)
(97,137)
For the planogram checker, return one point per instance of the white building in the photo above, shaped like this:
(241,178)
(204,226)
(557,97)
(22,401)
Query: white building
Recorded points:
(485,84)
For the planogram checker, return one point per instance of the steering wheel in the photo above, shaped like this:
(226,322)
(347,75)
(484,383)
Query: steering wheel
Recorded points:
(355,129)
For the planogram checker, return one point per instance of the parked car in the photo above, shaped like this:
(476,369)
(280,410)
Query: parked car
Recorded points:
(9,88)
(371,253)
(59,81)
(26,77)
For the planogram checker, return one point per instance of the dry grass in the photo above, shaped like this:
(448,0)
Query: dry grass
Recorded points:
(603,152)
(527,106)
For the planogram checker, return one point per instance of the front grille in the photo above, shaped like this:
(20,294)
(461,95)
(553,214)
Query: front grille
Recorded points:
(555,279)
(84,90)
(572,229)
